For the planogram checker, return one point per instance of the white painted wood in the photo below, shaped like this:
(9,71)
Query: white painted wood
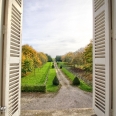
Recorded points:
(114,54)
(1,44)
(12,57)
(102,59)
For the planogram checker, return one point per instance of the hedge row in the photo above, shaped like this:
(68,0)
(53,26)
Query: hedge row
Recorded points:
(35,88)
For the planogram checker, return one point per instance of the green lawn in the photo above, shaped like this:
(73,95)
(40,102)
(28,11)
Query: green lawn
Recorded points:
(36,82)
(68,74)
(82,85)
(38,78)
(49,85)
(61,63)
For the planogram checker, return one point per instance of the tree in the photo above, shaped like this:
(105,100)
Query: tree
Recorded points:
(32,59)
(43,57)
(49,58)
(27,66)
(58,59)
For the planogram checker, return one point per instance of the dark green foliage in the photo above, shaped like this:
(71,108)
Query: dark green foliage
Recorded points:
(76,81)
(35,88)
(52,65)
(49,58)
(27,66)
(55,81)
(61,67)
(58,58)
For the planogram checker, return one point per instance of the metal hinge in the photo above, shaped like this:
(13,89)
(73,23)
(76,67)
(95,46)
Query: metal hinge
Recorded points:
(2,109)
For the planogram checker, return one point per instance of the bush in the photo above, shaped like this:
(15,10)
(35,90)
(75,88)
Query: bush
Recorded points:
(55,81)
(52,65)
(35,88)
(76,81)
(61,67)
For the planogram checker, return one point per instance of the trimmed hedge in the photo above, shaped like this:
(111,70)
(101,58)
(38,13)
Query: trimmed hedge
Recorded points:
(76,81)
(61,67)
(35,88)
(55,81)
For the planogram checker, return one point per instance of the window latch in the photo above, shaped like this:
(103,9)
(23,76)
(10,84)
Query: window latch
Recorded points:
(2,109)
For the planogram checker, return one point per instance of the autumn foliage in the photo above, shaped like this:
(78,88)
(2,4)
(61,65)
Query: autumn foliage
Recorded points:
(81,59)
(31,59)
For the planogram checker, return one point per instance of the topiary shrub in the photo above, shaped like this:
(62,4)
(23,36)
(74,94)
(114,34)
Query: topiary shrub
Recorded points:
(52,65)
(76,81)
(61,67)
(55,81)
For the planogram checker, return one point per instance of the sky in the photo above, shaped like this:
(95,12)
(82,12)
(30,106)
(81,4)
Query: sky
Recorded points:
(56,27)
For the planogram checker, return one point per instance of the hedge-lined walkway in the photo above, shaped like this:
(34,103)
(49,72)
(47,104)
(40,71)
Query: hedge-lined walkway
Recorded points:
(67,97)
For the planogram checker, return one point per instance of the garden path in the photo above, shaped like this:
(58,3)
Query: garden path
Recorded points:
(67,97)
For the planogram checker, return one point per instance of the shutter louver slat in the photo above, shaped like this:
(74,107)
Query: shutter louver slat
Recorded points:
(14,93)
(14,77)
(99,20)
(14,36)
(100,94)
(98,4)
(100,91)
(15,29)
(16,98)
(100,101)
(15,40)
(19,2)
(13,88)
(13,110)
(99,107)
(15,33)
(100,104)
(100,85)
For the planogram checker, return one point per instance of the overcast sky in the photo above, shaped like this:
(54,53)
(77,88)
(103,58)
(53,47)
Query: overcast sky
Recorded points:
(56,27)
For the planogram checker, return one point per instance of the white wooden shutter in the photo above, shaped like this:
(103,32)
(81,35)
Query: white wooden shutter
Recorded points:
(12,57)
(101,57)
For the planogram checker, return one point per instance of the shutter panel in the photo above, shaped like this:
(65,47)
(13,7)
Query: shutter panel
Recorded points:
(12,57)
(101,57)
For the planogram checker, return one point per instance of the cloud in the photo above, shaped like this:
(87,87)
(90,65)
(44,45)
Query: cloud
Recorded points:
(57,26)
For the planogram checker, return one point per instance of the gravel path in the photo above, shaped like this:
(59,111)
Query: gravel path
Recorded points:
(67,97)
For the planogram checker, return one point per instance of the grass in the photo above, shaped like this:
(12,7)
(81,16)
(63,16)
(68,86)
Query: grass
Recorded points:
(41,81)
(39,77)
(49,85)
(68,74)
(61,63)
(82,86)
